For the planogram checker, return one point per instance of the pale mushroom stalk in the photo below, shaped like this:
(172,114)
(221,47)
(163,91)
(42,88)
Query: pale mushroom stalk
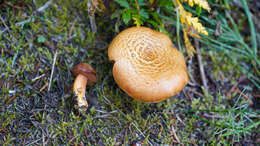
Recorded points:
(79,89)
(85,74)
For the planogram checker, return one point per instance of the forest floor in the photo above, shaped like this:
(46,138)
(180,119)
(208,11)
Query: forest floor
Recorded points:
(41,41)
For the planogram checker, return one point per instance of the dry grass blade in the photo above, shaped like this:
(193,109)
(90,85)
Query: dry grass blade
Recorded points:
(202,72)
(52,69)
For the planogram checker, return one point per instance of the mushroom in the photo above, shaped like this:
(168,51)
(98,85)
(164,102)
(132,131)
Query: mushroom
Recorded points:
(85,74)
(146,65)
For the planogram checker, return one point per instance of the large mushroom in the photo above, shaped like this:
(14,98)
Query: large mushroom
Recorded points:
(85,74)
(146,65)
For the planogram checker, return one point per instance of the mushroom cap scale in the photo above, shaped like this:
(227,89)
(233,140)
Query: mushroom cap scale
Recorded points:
(147,66)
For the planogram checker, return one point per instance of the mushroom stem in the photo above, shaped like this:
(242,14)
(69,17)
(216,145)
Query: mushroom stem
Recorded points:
(79,89)
(85,74)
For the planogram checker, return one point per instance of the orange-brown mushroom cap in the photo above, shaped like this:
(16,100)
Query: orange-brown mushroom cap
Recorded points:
(86,70)
(147,66)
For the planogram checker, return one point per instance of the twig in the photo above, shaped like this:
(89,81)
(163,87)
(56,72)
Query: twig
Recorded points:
(38,77)
(72,27)
(46,5)
(32,143)
(24,139)
(14,6)
(91,13)
(43,118)
(52,70)
(86,133)
(137,5)
(134,124)
(7,28)
(195,92)
(255,95)
(12,98)
(192,81)
(10,52)
(213,116)
(44,86)
(187,95)
(40,9)
(175,135)
(242,78)
(36,67)
(180,120)
(49,45)
(3,21)
(202,72)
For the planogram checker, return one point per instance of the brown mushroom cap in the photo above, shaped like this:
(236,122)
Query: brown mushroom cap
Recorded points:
(147,66)
(86,70)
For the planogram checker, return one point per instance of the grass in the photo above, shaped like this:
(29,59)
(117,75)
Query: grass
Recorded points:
(32,115)
(236,121)
(231,35)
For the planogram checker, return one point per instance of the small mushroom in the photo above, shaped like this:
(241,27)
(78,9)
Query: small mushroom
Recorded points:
(146,65)
(85,74)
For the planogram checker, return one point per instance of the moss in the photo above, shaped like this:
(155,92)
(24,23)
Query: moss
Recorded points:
(31,114)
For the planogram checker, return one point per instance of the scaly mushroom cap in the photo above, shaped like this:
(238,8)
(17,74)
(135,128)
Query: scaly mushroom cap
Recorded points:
(146,66)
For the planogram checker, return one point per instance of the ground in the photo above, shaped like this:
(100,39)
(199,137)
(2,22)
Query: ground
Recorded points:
(42,40)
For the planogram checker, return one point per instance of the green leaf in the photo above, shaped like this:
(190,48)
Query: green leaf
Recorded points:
(165,3)
(123,3)
(155,24)
(41,39)
(144,13)
(198,10)
(155,16)
(162,29)
(126,16)
(137,21)
(141,3)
